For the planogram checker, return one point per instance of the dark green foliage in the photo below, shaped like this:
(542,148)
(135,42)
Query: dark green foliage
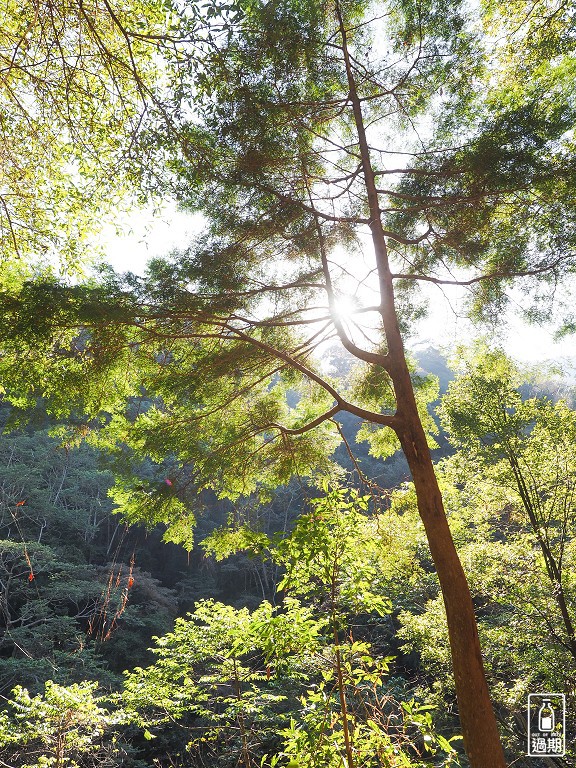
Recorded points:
(71,622)
(64,592)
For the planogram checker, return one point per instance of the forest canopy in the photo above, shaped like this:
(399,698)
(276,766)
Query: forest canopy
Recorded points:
(343,155)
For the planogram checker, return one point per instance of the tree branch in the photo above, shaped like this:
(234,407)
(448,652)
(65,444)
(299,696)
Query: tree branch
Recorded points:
(307,427)
(386,420)
(497,275)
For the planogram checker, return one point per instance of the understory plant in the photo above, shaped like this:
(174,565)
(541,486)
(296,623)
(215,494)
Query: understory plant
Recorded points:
(290,684)
(65,727)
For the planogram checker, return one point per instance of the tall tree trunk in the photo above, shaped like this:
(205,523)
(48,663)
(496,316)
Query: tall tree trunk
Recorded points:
(479,727)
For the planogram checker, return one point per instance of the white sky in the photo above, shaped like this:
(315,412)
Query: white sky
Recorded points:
(447,327)
(147,234)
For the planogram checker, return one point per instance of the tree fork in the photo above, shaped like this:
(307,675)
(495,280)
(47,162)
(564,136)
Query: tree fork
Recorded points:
(479,727)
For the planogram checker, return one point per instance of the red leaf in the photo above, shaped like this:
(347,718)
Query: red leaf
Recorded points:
(130,582)
(30,576)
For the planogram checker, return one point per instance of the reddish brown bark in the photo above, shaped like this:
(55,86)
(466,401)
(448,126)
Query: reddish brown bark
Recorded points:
(479,728)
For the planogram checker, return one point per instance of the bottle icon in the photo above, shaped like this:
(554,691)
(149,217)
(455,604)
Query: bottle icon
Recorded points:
(546,717)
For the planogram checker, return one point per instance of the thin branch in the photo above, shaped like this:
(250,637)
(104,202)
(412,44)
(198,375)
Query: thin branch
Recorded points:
(497,275)
(327,416)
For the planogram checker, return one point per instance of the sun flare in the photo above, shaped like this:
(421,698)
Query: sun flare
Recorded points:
(344,307)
